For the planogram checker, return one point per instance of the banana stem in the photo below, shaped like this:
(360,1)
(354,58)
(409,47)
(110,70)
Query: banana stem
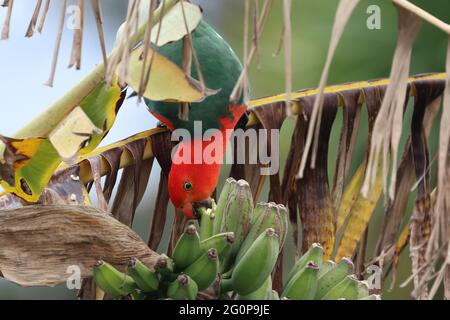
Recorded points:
(45,122)
(226,285)
(127,160)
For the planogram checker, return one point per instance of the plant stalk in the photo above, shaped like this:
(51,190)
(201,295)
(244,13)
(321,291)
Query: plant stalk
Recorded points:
(127,159)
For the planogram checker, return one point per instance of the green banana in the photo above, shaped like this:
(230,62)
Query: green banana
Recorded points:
(146,279)
(165,267)
(259,209)
(266,215)
(372,297)
(333,277)
(204,270)
(363,289)
(237,214)
(346,289)
(257,264)
(183,288)
(207,217)
(222,242)
(303,285)
(226,285)
(325,267)
(262,293)
(314,254)
(112,281)
(187,249)
(226,193)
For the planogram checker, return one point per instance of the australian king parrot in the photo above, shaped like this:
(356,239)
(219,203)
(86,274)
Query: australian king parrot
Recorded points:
(193,176)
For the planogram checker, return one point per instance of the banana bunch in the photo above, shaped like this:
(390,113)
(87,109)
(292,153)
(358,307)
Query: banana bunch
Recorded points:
(193,267)
(232,252)
(259,232)
(311,278)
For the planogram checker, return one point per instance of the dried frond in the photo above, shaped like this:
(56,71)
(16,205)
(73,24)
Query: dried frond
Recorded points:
(388,125)
(343,13)
(43,16)
(33,21)
(6,24)
(239,87)
(75,58)
(57,44)
(52,238)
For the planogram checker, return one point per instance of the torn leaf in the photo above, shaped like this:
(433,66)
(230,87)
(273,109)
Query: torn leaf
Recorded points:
(167,82)
(72,134)
(173,25)
(30,163)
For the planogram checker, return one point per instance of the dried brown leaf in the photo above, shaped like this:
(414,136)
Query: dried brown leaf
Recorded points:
(388,125)
(343,13)
(7,22)
(39,243)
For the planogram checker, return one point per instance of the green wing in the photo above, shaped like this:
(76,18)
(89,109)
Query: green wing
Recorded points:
(221,69)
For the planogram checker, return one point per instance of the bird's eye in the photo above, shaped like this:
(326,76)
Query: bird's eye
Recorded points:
(187,186)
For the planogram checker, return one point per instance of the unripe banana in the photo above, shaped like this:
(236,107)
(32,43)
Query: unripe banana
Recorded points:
(262,293)
(222,242)
(207,217)
(226,285)
(303,285)
(372,297)
(266,215)
(187,249)
(146,279)
(363,289)
(346,289)
(165,267)
(257,264)
(314,254)
(183,288)
(259,209)
(333,277)
(226,193)
(204,270)
(237,214)
(325,267)
(112,281)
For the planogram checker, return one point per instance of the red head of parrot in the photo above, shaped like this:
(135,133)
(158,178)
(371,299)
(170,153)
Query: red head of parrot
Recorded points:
(193,180)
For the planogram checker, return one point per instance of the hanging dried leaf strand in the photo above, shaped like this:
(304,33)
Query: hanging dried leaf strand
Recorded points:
(389,122)
(6,24)
(75,58)
(442,207)
(32,24)
(343,13)
(237,91)
(287,4)
(43,16)
(57,44)
(101,36)
(146,44)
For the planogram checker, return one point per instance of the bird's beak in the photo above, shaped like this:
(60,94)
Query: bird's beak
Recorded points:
(207,203)
(187,210)
(191,210)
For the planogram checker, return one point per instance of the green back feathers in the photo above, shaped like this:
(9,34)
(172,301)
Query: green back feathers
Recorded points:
(221,69)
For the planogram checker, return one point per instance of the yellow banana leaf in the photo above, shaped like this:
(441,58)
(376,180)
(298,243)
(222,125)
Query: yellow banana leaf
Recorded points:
(160,87)
(357,210)
(30,163)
